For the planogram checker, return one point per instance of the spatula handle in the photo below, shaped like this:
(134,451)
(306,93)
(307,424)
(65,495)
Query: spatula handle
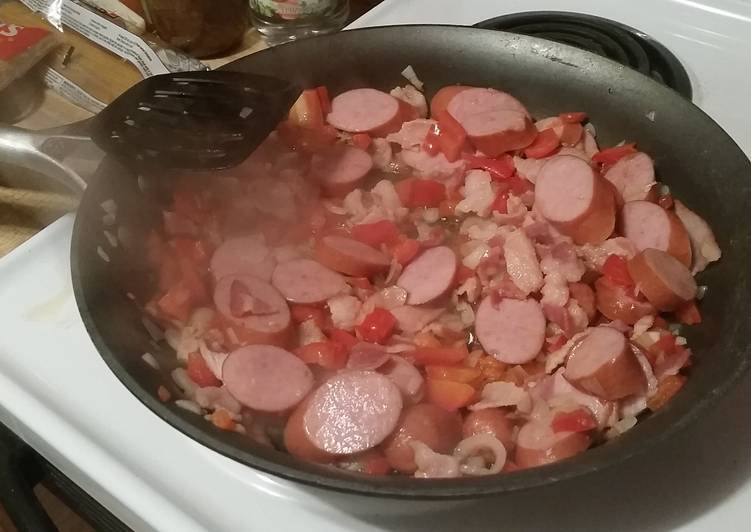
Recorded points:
(69,159)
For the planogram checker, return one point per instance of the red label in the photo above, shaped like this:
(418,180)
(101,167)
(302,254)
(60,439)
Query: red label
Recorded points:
(15,40)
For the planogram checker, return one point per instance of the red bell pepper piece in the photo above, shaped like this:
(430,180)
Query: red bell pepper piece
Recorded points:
(688,313)
(342,337)
(449,395)
(571,134)
(405,251)
(200,373)
(301,313)
(451,137)
(499,169)
(573,118)
(377,326)
(323,98)
(376,233)
(362,140)
(426,193)
(610,156)
(438,355)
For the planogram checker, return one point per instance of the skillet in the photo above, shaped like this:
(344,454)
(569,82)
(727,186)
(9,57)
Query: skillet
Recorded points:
(693,155)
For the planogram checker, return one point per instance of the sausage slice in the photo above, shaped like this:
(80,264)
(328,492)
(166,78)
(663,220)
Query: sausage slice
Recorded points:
(296,440)
(633,178)
(266,378)
(512,330)
(662,278)
(648,225)
(340,169)
(604,364)
(365,111)
(493,421)
(306,281)
(350,256)
(352,411)
(538,445)
(425,422)
(575,199)
(495,121)
(245,255)
(256,306)
(429,276)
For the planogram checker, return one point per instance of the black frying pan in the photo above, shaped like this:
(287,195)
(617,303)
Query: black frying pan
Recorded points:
(693,155)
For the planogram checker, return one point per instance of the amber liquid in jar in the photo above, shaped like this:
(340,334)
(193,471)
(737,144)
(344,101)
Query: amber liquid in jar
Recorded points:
(201,28)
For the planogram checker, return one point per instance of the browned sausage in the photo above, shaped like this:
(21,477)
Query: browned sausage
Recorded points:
(538,445)
(648,225)
(633,178)
(366,111)
(575,199)
(296,440)
(435,427)
(429,276)
(350,257)
(495,121)
(340,169)
(493,421)
(604,364)
(662,278)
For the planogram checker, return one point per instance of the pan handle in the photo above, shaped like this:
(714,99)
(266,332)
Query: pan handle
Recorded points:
(69,159)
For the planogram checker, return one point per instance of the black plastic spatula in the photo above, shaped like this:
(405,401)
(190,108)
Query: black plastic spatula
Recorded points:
(193,120)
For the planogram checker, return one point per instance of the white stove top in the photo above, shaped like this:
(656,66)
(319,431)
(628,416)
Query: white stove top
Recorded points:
(57,393)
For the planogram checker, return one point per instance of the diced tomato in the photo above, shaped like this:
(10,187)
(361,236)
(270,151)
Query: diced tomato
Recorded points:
(499,169)
(376,233)
(500,203)
(405,251)
(616,270)
(342,337)
(328,355)
(451,137)
(463,273)
(307,139)
(519,185)
(666,389)
(301,313)
(200,373)
(545,144)
(377,326)
(573,118)
(571,134)
(610,156)
(222,419)
(688,313)
(438,355)
(579,420)
(454,373)
(307,110)
(431,144)
(169,271)
(660,323)
(426,193)
(176,303)
(449,395)
(404,190)
(362,140)
(324,100)
(447,208)
(191,249)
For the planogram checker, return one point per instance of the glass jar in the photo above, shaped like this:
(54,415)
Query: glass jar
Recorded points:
(201,28)
(285,20)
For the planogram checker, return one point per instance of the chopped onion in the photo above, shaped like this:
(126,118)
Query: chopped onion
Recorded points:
(150,360)
(112,239)
(411,76)
(109,206)
(651,116)
(152,328)
(190,406)
(475,446)
(701,291)
(102,254)
(431,215)
(591,128)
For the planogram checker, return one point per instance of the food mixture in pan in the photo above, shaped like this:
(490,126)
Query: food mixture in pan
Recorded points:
(466,294)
